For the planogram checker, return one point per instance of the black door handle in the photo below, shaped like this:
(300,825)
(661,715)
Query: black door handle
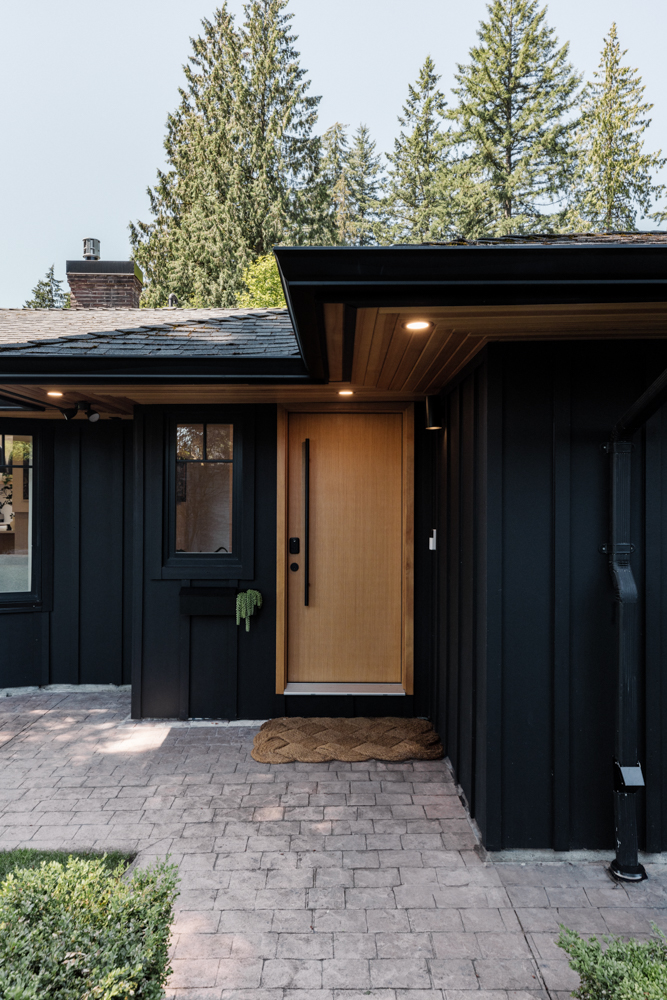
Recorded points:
(306,519)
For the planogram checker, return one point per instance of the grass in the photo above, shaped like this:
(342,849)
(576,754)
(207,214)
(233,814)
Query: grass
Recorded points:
(25,857)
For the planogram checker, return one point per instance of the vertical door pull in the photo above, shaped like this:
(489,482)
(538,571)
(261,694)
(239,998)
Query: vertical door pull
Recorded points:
(306,517)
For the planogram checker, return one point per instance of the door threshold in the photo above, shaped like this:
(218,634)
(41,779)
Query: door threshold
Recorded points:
(306,687)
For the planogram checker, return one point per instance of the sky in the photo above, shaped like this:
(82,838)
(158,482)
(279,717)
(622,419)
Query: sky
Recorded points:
(86,87)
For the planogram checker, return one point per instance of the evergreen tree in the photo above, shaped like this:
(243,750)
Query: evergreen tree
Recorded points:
(335,175)
(417,161)
(615,176)
(513,123)
(243,162)
(366,184)
(47,293)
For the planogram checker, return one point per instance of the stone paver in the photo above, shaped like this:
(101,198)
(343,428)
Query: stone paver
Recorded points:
(303,881)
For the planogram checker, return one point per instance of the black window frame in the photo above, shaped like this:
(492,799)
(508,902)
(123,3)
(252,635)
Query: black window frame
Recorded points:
(239,564)
(40,595)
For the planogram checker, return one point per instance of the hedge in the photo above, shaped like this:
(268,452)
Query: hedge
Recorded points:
(78,931)
(624,970)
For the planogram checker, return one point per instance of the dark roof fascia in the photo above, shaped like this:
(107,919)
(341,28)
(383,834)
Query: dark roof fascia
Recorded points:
(109,370)
(461,276)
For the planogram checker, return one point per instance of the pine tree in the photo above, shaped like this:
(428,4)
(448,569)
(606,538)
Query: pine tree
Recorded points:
(366,184)
(335,175)
(615,176)
(243,162)
(417,161)
(47,293)
(513,123)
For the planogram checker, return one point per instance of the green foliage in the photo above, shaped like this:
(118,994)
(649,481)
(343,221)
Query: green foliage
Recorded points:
(615,176)
(243,162)
(417,162)
(79,931)
(366,182)
(25,857)
(353,180)
(335,175)
(47,293)
(513,124)
(246,602)
(625,970)
(262,281)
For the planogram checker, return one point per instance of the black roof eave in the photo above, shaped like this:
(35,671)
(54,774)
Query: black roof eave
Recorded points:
(110,370)
(461,276)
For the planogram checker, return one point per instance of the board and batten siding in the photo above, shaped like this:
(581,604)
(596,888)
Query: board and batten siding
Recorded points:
(82,633)
(525,679)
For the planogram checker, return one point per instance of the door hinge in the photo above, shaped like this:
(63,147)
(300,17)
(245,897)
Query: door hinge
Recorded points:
(432,542)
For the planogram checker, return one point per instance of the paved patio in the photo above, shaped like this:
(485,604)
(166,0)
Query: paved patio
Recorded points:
(305,881)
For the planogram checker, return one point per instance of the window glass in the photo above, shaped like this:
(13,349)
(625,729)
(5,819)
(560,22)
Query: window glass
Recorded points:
(16,491)
(204,480)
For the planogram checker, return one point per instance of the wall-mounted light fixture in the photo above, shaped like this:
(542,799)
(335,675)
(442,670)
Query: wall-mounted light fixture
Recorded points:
(417,325)
(345,392)
(433,414)
(54,393)
(83,406)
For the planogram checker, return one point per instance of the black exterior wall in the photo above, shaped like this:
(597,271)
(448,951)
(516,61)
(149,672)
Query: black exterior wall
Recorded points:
(80,632)
(526,650)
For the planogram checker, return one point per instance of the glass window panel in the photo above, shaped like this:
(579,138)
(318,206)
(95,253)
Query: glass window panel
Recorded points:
(16,491)
(204,507)
(220,441)
(190,441)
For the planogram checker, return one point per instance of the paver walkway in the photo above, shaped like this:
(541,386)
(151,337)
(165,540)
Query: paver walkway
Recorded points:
(303,881)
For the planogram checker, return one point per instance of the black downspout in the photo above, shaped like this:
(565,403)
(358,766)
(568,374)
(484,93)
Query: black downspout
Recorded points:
(628,777)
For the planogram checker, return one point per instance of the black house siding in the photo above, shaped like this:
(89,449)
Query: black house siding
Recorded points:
(203,667)
(81,635)
(526,673)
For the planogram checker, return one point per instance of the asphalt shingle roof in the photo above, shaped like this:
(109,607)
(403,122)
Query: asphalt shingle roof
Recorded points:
(219,333)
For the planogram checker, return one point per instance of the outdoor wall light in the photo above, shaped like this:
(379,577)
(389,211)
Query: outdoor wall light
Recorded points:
(345,392)
(417,324)
(54,394)
(433,415)
(82,406)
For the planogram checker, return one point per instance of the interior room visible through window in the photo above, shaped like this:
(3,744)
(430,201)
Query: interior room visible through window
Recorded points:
(204,480)
(16,491)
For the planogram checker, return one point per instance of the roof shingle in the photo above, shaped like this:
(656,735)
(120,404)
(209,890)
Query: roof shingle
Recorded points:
(219,333)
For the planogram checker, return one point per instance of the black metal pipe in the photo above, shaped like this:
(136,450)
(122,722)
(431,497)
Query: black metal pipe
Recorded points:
(306,520)
(626,864)
(641,410)
(628,777)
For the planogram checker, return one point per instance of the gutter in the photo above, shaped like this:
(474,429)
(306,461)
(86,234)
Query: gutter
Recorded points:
(628,776)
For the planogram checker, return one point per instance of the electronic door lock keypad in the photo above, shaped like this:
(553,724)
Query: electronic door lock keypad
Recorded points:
(294,546)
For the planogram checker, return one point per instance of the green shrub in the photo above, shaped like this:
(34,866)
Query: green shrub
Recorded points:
(78,931)
(625,970)
(29,857)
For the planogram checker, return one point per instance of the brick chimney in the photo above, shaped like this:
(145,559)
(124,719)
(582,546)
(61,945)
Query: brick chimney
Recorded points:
(103,284)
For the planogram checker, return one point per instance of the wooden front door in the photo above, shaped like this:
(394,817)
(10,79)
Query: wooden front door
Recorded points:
(346,585)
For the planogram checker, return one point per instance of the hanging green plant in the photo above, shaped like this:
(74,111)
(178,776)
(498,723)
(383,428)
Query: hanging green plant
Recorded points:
(246,602)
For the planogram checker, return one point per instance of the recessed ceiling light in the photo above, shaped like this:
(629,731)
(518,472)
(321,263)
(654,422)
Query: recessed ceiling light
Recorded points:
(417,324)
(54,394)
(345,392)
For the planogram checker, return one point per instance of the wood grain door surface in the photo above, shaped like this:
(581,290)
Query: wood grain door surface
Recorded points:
(351,630)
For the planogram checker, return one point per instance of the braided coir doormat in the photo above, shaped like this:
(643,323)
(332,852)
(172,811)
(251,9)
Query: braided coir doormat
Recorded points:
(314,741)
